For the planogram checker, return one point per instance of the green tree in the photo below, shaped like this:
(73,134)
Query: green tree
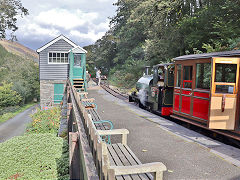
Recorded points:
(9,11)
(148,32)
(8,97)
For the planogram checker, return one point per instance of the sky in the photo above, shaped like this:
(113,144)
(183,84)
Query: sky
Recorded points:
(82,21)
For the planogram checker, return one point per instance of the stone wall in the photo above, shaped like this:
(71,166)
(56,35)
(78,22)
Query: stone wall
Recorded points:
(47,91)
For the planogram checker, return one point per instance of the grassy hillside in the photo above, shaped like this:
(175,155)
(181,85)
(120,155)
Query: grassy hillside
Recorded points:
(19,49)
(21,72)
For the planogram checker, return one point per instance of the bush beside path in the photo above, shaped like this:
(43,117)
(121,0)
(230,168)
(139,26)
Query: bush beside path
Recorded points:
(39,153)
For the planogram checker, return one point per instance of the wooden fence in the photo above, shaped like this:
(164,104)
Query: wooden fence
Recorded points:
(81,160)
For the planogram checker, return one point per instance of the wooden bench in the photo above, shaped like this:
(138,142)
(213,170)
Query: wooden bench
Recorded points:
(117,161)
(89,103)
(99,123)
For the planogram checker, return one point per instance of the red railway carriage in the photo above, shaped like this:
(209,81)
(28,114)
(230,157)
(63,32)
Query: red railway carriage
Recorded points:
(206,91)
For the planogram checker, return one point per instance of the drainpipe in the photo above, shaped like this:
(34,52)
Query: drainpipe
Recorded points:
(71,67)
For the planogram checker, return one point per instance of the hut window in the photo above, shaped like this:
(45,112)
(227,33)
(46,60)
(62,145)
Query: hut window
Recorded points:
(203,75)
(58,57)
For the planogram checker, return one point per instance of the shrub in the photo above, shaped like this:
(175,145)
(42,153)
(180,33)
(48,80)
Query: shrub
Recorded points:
(45,121)
(34,156)
(9,109)
(8,97)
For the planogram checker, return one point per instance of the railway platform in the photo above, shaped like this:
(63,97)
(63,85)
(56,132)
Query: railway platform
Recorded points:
(186,154)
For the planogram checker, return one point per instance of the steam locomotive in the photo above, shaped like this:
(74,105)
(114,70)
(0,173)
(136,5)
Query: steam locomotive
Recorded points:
(155,91)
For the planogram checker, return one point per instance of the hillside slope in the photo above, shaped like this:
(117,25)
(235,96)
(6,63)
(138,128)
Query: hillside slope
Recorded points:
(20,70)
(20,50)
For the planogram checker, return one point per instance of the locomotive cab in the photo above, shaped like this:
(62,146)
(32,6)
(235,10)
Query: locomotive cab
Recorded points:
(162,88)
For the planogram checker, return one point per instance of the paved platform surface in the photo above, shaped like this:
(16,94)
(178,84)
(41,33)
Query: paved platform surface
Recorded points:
(15,126)
(187,154)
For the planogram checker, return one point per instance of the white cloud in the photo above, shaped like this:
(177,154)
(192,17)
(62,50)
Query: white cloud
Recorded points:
(91,35)
(83,20)
(65,18)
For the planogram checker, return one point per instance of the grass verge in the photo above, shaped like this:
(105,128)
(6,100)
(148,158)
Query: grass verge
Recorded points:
(10,115)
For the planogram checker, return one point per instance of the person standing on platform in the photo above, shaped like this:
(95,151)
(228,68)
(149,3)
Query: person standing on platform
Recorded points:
(88,76)
(98,76)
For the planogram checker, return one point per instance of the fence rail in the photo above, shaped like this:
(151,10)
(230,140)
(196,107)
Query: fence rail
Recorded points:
(81,160)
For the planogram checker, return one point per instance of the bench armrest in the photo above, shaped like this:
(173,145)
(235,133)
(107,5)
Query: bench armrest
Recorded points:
(123,132)
(104,121)
(157,168)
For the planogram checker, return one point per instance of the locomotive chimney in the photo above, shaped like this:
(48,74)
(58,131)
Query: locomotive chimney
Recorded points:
(147,70)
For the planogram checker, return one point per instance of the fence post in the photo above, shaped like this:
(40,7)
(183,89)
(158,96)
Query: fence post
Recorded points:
(74,158)
(69,118)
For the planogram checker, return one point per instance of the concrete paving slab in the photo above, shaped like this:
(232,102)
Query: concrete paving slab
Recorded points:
(187,154)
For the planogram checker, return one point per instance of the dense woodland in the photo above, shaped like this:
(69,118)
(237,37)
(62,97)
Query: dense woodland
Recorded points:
(19,82)
(148,32)
(19,79)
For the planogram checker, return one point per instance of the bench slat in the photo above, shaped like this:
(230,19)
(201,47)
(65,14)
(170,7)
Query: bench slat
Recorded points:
(126,159)
(133,159)
(116,162)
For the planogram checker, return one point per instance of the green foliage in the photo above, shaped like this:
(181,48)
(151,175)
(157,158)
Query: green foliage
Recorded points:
(8,109)
(127,75)
(9,112)
(34,156)
(8,97)
(154,32)
(234,43)
(10,10)
(45,121)
(22,73)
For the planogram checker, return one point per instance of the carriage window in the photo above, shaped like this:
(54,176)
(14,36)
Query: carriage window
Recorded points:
(228,89)
(179,68)
(187,75)
(160,73)
(203,75)
(226,73)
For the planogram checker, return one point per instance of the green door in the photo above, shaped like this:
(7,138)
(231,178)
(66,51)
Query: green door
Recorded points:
(77,66)
(58,93)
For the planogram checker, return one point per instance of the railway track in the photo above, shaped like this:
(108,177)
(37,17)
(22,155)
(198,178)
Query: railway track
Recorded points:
(114,92)
(111,91)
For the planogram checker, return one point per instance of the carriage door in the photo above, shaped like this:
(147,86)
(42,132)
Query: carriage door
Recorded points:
(186,93)
(225,74)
